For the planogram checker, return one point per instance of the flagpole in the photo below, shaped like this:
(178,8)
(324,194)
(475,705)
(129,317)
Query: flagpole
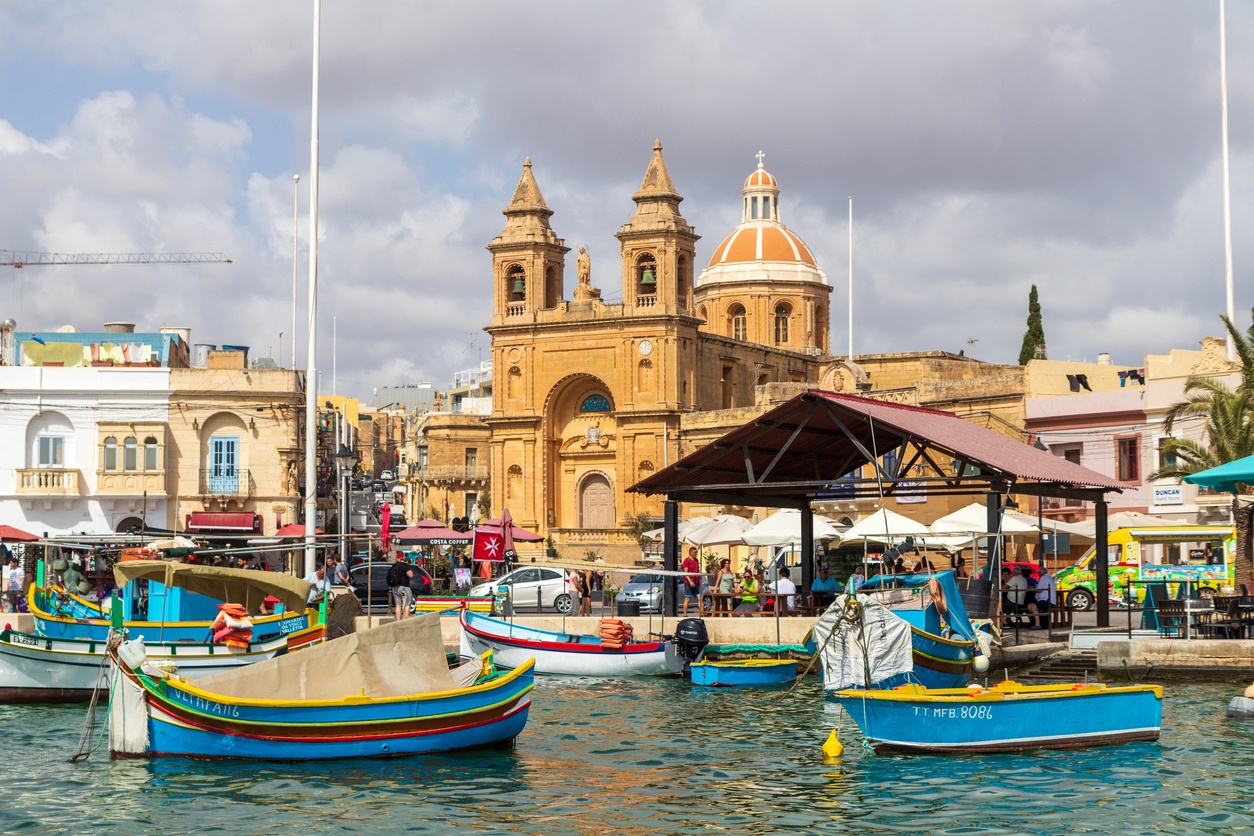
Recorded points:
(311,363)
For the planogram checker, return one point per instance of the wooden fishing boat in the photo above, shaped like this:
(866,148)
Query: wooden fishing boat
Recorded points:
(514,645)
(385,692)
(742,672)
(943,643)
(39,669)
(1008,717)
(182,602)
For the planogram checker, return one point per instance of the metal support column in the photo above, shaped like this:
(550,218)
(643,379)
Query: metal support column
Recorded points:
(807,547)
(1101,562)
(670,556)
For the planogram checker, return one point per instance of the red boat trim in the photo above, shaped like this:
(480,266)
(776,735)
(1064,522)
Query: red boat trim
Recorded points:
(941,666)
(570,647)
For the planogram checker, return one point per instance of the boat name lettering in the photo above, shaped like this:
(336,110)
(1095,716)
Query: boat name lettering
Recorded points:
(209,706)
(292,625)
(964,712)
(29,641)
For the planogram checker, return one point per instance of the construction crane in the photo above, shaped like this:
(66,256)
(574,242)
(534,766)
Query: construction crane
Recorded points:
(9,258)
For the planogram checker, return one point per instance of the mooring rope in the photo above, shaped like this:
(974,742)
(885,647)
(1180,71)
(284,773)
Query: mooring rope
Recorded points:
(89,722)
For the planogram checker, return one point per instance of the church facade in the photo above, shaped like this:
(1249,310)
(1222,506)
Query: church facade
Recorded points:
(589,395)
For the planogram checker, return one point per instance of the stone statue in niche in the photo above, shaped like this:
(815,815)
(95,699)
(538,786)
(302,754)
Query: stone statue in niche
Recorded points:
(584,291)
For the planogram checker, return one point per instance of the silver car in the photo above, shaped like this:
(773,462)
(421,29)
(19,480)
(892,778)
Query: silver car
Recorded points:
(645,588)
(551,586)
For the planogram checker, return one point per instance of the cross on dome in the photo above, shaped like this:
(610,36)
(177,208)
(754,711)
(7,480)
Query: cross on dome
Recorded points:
(760,155)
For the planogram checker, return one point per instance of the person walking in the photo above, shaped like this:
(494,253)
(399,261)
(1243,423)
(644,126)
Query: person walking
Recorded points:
(577,593)
(585,603)
(399,575)
(692,580)
(16,577)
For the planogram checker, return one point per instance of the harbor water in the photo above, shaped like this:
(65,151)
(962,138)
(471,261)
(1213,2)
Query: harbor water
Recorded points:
(651,756)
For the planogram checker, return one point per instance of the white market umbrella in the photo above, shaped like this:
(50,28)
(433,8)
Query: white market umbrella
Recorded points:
(884,526)
(684,528)
(783,528)
(723,530)
(972,522)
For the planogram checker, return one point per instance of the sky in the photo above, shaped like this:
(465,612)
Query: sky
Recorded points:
(988,146)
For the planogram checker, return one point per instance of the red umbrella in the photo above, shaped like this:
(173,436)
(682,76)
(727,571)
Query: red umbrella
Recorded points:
(432,533)
(15,535)
(385,516)
(294,530)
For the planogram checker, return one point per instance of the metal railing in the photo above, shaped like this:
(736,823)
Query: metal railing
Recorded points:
(217,482)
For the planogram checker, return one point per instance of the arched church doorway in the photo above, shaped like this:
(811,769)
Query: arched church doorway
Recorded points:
(596,502)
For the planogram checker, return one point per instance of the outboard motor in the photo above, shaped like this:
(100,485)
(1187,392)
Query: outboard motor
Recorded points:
(691,639)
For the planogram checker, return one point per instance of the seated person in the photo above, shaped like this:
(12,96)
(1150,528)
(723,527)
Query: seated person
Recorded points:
(1017,598)
(785,589)
(749,601)
(823,590)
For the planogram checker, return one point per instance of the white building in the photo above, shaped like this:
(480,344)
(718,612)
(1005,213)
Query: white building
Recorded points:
(83,449)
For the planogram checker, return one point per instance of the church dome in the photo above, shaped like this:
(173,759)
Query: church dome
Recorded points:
(761,245)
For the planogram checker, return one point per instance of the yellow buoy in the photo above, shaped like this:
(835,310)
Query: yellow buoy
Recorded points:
(832,748)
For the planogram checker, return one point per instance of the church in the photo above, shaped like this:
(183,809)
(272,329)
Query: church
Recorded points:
(589,396)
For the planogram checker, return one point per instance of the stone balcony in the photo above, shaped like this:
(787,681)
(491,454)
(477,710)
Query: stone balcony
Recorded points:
(48,481)
(130,482)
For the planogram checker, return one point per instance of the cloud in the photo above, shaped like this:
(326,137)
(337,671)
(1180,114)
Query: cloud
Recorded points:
(988,146)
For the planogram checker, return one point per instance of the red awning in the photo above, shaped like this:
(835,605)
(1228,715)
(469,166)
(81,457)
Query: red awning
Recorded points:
(209,522)
(295,530)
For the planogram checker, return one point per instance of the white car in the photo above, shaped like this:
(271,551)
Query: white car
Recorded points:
(552,586)
(387,476)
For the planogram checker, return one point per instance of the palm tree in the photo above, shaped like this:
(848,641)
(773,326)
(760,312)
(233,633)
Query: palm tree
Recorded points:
(1229,417)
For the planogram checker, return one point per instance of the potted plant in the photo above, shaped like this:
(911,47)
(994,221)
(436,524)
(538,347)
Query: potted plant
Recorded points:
(550,550)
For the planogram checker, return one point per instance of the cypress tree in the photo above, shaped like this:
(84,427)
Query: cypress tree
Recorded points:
(1034,338)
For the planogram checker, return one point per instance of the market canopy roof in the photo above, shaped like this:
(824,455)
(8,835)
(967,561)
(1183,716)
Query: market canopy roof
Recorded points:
(238,586)
(813,446)
(1226,476)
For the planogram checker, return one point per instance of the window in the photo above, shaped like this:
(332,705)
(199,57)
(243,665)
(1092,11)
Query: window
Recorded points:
(1129,451)
(1166,456)
(130,453)
(595,403)
(754,204)
(472,457)
(51,451)
(739,330)
(781,324)
(110,454)
(150,454)
(891,461)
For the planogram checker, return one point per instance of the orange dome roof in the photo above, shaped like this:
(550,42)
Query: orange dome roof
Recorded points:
(761,178)
(763,241)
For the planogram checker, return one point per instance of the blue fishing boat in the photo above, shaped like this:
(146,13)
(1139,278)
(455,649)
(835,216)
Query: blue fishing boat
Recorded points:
(182,602)
(39,669)
(1008,717)
(384,692)
(942,638)
(942,641)
(741,672)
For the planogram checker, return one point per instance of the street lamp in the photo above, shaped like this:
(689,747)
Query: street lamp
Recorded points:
(344,461)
